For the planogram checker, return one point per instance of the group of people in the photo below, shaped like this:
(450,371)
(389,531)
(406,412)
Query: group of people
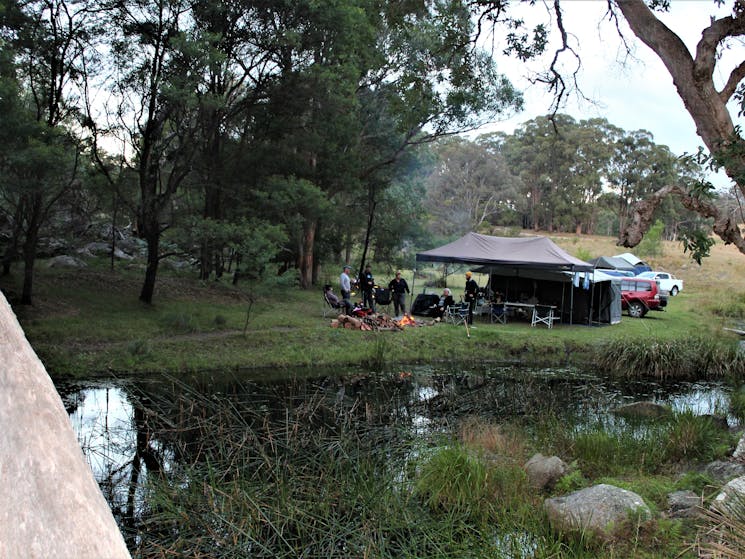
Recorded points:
(366,283)
(398,289)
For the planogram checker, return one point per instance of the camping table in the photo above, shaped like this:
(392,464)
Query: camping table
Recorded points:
(528,308)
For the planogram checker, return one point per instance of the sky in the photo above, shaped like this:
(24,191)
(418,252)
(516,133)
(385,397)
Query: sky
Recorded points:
(631,93)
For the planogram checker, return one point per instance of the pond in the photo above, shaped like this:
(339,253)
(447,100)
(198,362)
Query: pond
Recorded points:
(130,429)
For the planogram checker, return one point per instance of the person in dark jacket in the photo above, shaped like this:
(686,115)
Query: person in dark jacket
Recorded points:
(367,285)
(399,288)
(471,295)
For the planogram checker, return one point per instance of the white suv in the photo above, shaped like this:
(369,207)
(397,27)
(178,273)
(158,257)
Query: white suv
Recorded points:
(667,282)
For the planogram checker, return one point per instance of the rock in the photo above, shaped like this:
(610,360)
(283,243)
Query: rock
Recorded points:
(717,421)
(739,453)
(723,471)
(733,491)
(598,509)
(121,255)
(642,410)
(544,471)
(65,261)
(96,248)
(683,504)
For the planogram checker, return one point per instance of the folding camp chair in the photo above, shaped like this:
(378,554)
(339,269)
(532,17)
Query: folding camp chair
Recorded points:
(543,314)
(457,314)
(382,296)
(498,313)
(330,308)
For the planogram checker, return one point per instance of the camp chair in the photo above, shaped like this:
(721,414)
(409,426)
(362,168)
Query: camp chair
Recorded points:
(543,314)
(382,296)
(457,314)
(330,308)
(498,313)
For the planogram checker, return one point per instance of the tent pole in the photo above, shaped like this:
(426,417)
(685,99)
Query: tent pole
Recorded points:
(413,279)
(592,299)
(571,300)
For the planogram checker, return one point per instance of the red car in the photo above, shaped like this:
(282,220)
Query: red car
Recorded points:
(639,296)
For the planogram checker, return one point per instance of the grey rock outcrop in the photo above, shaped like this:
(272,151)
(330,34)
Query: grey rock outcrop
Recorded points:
(683,504)
(723,471)
(739,453)
(733,490)
(65,261)
(598,509)
(544,471)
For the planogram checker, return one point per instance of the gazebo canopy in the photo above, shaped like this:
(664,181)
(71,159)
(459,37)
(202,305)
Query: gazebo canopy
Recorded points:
(514,252)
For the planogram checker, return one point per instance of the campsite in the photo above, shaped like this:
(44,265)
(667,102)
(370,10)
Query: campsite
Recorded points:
(435,373)
(199,201)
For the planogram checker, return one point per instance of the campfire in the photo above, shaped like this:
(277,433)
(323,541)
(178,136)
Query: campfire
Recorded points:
(376,322)
(406,320)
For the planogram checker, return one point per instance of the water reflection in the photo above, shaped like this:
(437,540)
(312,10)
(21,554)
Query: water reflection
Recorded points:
(129,430)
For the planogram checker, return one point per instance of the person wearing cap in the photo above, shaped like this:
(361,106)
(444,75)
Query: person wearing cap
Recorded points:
(346,288)
(399,288)
(471,295)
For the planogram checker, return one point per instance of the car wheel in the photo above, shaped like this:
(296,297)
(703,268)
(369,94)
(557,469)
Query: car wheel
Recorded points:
(636,309)
(674,291)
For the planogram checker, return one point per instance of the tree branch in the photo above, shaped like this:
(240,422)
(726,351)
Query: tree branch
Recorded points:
(643,214)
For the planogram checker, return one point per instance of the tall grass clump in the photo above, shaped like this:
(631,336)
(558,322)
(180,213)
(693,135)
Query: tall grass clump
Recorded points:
(694,437)
(687,357)
(457,481)
(737,404)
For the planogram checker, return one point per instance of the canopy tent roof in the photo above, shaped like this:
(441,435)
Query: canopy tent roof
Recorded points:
(631,259)
(612,263)
(516,252)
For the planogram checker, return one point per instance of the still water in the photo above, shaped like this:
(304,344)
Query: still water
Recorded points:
(134,427)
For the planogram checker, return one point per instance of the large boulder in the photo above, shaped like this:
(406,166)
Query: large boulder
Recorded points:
(599,509)
(544,471)
(51,503)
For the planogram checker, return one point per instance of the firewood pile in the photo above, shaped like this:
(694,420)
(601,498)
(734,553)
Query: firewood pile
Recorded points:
(375,322)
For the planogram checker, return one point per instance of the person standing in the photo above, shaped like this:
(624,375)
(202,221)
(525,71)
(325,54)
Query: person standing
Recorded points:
(367,285)
(399,288)
(346,288)
(471,295)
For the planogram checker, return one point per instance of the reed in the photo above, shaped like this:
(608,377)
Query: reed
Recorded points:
(686,357)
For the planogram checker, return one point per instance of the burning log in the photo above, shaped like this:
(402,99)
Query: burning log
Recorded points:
(375,322)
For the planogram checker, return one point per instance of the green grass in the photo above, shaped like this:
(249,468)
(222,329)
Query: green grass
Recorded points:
(89,321)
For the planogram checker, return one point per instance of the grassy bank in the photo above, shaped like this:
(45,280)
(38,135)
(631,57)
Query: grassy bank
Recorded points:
(90,321)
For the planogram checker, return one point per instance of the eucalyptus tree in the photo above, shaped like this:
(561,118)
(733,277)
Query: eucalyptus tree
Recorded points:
(154,83)
(639,167)
(49,41)
(438,83)
(471,186)
(711,93)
